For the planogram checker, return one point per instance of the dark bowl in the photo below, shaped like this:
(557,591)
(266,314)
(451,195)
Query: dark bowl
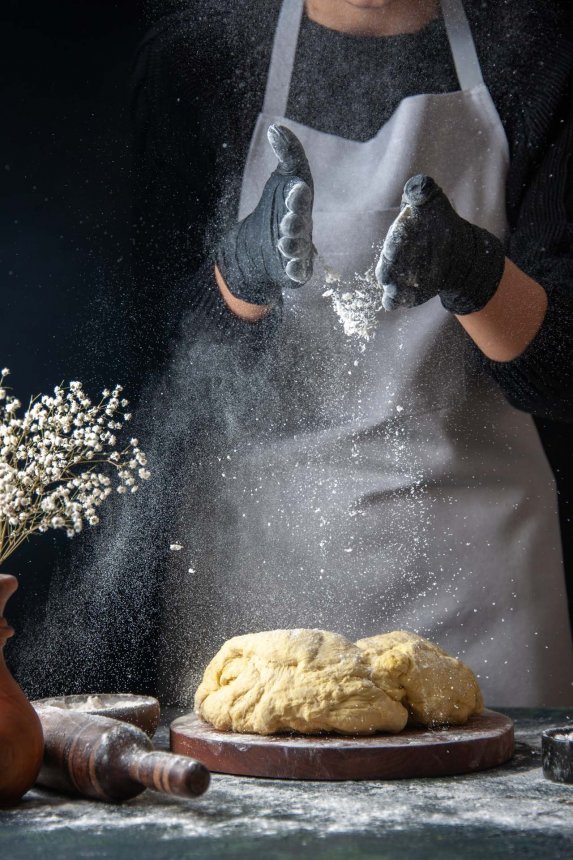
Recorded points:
(141,711)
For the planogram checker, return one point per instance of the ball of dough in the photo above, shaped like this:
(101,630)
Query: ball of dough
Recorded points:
(295,680)
(436,688)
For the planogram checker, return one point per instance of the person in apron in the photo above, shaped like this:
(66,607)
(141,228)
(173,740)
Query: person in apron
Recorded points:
(390,486)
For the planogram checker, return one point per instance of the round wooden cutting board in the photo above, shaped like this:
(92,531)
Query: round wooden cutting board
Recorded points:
(484,742)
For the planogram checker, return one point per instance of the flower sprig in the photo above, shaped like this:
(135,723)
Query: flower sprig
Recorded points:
(57,461)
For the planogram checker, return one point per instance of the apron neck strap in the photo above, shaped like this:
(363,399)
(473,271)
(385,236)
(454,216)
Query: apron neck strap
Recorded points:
(282,57)
(462,44)
(286,38)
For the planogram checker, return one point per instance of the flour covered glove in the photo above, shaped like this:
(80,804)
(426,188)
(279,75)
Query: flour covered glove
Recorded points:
(272,247)
(430,250)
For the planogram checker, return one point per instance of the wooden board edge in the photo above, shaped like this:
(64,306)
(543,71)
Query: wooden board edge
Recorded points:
(400,762)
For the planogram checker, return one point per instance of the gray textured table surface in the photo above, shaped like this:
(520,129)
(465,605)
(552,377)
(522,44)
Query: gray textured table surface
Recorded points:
(511,811)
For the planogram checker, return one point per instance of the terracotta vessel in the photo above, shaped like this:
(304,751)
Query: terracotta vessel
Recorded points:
(21,737)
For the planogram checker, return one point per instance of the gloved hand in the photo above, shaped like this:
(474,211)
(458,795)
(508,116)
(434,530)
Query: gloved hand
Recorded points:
(430,250)
(272,247)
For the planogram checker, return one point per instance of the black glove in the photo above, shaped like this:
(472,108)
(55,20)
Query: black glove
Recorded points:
(272,247)
(430,250)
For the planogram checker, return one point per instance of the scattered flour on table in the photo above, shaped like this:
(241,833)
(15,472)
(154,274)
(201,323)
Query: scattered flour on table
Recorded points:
(242,807)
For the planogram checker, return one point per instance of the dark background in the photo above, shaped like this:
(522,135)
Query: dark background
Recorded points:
(64,233)
(64,229)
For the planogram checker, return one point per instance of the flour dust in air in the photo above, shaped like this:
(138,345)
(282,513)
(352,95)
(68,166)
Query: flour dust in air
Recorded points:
(356,304)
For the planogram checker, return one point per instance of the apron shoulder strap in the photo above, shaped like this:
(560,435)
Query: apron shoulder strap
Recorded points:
(462,45)
(282,57)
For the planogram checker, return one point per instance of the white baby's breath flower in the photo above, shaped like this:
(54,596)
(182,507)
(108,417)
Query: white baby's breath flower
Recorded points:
(53,462)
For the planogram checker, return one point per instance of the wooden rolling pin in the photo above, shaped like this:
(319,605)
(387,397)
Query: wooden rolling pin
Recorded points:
(109,760)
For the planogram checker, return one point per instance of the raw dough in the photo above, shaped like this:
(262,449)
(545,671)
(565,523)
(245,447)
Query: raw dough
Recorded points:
(436,688)
(295,680)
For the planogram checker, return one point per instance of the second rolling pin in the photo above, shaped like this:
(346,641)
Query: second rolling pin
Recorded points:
(109,760)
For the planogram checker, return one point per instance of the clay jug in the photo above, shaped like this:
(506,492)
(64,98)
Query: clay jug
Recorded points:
(21,738)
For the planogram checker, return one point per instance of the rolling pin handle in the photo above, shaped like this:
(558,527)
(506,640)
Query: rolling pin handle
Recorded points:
(172,774)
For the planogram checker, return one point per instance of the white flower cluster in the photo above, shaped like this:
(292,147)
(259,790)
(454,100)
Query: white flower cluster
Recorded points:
(56,460)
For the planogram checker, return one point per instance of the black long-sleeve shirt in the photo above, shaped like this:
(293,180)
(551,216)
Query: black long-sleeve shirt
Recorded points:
(198,87)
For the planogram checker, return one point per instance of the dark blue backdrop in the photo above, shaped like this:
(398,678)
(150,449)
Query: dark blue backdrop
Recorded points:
(64,235)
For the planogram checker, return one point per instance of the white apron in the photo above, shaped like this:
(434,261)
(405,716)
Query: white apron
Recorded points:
(393,487)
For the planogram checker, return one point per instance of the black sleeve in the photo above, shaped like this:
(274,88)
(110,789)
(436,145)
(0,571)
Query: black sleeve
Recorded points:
(208,316)
(172,170)
(540,380)
(176,191)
